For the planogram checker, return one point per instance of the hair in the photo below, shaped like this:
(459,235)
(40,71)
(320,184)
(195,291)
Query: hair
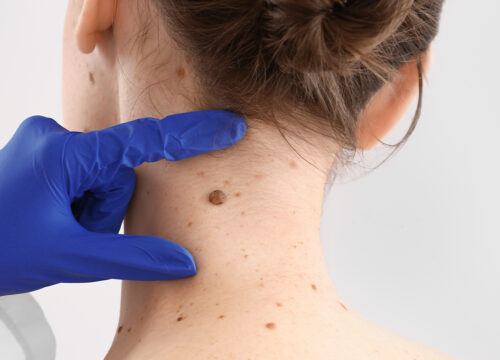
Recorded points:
(316,60)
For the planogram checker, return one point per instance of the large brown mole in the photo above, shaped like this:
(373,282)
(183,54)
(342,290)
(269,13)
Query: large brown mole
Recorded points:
(217,197)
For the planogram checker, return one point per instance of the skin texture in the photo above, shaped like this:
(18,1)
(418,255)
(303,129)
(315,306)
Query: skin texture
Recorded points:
(262,288)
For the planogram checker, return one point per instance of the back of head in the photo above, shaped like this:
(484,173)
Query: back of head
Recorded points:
(320,59)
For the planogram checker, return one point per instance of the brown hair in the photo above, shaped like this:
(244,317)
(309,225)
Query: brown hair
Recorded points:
(320,58)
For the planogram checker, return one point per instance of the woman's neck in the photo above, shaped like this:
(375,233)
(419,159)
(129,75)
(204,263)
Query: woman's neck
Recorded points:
(261,244)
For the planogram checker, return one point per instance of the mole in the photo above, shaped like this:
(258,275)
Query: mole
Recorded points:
(314,287)
(180,72)
(129,329)
(293,164)
(189,224)
(217,197)
(120,329)
(279,304)
(221,317)
(271,326)
(91,78)
(180,318)
(341,304)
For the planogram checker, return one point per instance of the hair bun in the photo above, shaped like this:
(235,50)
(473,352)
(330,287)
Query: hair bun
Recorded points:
(316,35)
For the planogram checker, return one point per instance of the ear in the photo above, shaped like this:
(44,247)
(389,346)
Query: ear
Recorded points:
(96,17)
(389,105)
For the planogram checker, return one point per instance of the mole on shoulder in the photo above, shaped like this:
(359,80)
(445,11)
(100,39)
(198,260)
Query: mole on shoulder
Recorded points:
(217,197)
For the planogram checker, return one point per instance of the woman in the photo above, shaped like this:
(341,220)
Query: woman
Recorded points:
(316,81)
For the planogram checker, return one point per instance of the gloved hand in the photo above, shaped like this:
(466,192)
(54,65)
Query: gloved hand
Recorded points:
(63,196)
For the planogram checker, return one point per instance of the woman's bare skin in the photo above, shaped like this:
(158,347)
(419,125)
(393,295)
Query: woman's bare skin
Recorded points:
(262,290)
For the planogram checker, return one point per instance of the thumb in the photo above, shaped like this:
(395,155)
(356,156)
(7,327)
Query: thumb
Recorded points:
(96,256)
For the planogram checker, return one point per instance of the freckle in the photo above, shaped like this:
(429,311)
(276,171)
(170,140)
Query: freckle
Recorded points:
(191,304)
(242,213)
(180,72)
(86,129)
(246,256)
(120,329)
(189,224)
(188,59)
(341,304)
(293,164)
(295,246)
(176,208)
(179,308)
(129,329)
(201,173)
(217,197)
(314,287)
(217,304)
(221,317)
(227,234)
(91,78)
(261,278)
(148,192)
(237,194)
(226,182)
(142,318)
(261,285)
(180,318)
(271,326)
(279,304)
(294,212)
(259,176)
(242,249)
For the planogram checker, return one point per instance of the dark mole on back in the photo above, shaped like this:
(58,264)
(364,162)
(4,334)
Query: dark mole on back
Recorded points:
(120,329)
(217,197)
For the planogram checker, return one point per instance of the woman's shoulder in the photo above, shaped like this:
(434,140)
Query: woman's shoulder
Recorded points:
(379,343)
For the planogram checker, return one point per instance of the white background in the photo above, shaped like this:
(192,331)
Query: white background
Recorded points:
(413,245)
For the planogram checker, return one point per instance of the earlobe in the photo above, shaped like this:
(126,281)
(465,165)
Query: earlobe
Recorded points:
(389,105)
(96,17)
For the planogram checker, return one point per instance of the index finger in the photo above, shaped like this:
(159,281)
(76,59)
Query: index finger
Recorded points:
(174,137)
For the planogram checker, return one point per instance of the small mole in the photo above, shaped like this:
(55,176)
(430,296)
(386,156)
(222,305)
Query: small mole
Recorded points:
(179,308)
(148,192)
(314,287)
(341,304)
(129,329)
(189,224)
(242,213)
(86,129)
(200,173)
(180,318)
(226,182)
(91,78)
(246,256)
(180,72)
(293,164)
(120,329)
(279,304)
(217,304)
(221,317)
(271,326)
(217,197)
(261,285)
(237,194)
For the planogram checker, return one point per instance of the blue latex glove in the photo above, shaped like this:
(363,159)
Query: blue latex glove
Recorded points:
(63,196)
